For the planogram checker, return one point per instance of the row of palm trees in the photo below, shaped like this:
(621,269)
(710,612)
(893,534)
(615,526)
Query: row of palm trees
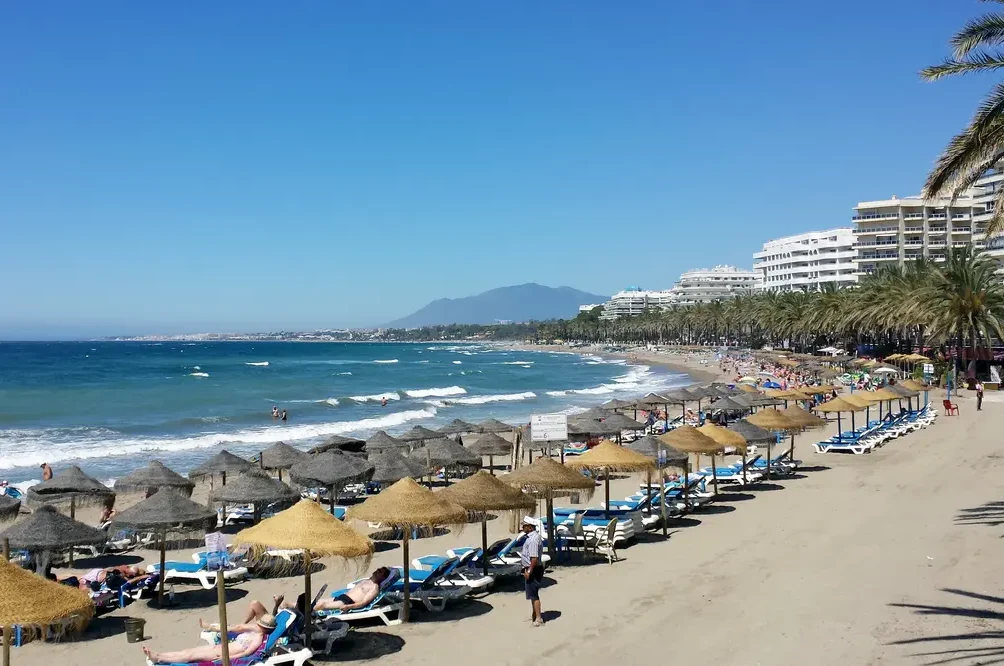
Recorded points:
(919,305)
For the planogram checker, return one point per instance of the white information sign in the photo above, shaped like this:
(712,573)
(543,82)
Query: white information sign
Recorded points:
(548,427)
(928,368)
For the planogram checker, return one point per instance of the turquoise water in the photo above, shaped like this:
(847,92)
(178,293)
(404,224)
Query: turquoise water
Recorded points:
(112,406)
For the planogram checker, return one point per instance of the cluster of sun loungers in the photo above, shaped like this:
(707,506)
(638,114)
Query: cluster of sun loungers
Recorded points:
(876,433)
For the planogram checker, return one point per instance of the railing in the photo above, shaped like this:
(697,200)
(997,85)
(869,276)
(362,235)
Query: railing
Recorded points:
(961,230)
(913,216)
(877,216)
(908,229)
(937,216)
(936,230)
(874,230)
(871,243)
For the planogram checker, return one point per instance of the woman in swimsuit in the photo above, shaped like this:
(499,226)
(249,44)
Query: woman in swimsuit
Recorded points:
(249,640)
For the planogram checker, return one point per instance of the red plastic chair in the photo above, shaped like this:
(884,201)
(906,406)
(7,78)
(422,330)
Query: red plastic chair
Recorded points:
(950,408)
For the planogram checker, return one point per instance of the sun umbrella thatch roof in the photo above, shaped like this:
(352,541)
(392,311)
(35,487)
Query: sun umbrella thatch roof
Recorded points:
(390,466)
(753,434)
(802,417)
(222,463)
(444,452)
(838,405)
(253,487)
(307,526)
(746,388)
(915,358)
(689,439)
(723,436)
(857,399)
(914,386)
(331,468)
(494,425)
(545,475)
(166,510)
(902,391)
(490,444)
(407,504)
(456,427)
(419,433)
(617,404)
(9,508)
(676,396)
(27,599)
(650,445)
(772,419)
(623,422)
(483,492)
(70,483)
(339,442)
(655,399)
(152,477)
(729,404)
(381,441)
(895,357)
(578,426)
(281,456)
(48,529)
(596,413)
(609,456)
(881,394)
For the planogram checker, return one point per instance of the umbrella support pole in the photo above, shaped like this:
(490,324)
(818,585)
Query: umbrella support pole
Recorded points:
(606,494)
(73,516)
(163,557)
(791,451)
(6,549)
(6,645)
(491,468)
(484,544)
(714,472)
(549,504)
(406,608)
(769,442)
(221,600)
(648,485)
(308,621)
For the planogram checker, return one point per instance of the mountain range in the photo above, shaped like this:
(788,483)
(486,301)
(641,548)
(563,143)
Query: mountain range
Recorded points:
(517,303)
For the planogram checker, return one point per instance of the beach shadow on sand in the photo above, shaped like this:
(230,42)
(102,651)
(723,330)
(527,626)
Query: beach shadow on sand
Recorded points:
(734,497)
(765,487)
(105,561)
(103,627)
(990,514)
(452,613)
(188,599)
(384,546)
(941,647)
(813,468)
(361,646)
(716,509)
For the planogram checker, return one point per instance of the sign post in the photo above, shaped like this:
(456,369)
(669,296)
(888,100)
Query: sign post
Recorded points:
(549,428)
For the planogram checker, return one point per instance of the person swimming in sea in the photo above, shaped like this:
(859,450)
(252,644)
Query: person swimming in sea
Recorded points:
(383,402)
(275,412)
(283,417)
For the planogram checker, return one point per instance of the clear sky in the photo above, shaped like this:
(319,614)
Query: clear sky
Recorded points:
(182,167)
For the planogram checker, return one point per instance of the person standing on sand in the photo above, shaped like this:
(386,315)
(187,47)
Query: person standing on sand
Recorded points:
(979,395)
(533,570)
(46,471)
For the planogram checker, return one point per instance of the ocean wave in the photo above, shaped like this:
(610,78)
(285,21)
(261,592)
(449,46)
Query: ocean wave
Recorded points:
(376,397)
(198,374)
(330,401)
(436,392)
(30,450)
(516,363)
(344,373)
(260,364)
(458,363)
(390,360)
(421,361)
(195,367)
(485,399)
(212,419)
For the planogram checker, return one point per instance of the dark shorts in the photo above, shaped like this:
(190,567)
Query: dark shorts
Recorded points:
(345,599)
(533,583)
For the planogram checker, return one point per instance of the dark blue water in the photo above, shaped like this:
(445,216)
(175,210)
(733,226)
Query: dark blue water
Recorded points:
(112,406)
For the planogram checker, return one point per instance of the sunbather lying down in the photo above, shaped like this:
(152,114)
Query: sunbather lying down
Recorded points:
(250,637)
(362,594)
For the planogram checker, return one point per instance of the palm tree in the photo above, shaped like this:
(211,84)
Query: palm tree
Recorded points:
(976,49)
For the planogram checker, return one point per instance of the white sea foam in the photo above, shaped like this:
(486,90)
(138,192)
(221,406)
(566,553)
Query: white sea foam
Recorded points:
(421,361)
(344,373)
(198,374)
(436,392)
(376,397)
(390,360)
(260,364)
(330,401)
(516,363)
(53,445)
(457,362)
(196,368)
(485,399)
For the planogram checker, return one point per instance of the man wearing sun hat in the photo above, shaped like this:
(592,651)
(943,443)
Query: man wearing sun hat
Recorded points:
(530,556)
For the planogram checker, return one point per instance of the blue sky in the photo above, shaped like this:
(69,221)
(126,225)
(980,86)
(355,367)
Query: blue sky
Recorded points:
(182,167)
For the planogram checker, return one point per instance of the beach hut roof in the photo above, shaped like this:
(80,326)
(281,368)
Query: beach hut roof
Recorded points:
(331,468)
(689,439)
(753,434)
(609,456)
(456,427)
(381,441)
(70,483)
(914,386)
(307,526)
(490,444)
(730,404)
(483,492)
(616,403)
(578,426)
(802,417)
(28,599)
(419,433)
(165,510)
(545,475)
(772,419)
(281,456)
(253,487)
(443,452)
(595,413)
(390,466)
(407,504)
(650,445)
(838,405)
(723,436)
(155,475)
(353,444)
(678,396)
(9,508)
(655,399)
(623,422)
(494,425)
(221,463)
(857,399)
(902,391)
(48,529)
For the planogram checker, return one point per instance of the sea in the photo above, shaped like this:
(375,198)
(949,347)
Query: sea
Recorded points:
(111,407)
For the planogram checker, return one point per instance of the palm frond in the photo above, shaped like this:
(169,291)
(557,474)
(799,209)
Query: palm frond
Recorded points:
(981,32)
(975,62)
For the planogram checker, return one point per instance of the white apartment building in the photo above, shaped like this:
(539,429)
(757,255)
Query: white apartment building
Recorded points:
(634,301)
(717,284)
(807,261)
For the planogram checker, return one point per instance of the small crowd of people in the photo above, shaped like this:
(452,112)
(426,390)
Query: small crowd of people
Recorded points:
(277,415)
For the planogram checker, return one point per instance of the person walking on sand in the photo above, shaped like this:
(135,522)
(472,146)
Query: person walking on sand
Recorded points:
(533,570)
(979,395)
(46,471)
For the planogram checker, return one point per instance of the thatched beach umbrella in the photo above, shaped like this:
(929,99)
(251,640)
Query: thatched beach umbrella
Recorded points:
(73,486)
(622,423)
(689,439)
(616,404)
(590,427)
(340,442)
(407,505)
(445,453)
(542,478)
(331,469)
(166,511)
(751,433)
(491,445)
(595,413)
(725,438)
(154,476)
(9,508)
(804,419)
(665,456)
(838,405)
(391,466)
(46,530)
(495,426)
(457,427)
(776,421)
(609,457)
(381,441)
(419,434)
(253,487)
(481,493)
(27,600)
(305,526)
(281,456)
(221,463)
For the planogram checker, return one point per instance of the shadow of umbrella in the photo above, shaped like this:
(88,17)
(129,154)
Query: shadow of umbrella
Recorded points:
(362,645)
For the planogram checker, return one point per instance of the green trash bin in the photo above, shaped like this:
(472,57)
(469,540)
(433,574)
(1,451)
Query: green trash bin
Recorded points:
(134,629)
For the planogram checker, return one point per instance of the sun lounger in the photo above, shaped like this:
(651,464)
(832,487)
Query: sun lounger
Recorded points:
(508,554)
(192,572)
(629,523)
(382,607)
(431,588)
(272,653)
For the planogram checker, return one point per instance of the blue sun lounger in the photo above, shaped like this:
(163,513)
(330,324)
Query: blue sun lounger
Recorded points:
(271,653)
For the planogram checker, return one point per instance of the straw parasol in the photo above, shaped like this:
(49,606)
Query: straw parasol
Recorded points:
(596,413)
(491,445)
(9,508)
(390,466)
(444,453)
(542,478)
(610,457)
(481,493)
(329,470)
(152,477)
(253,487)
(650,445)
(590,427)
(617,404)
(839,405)
(804,419)
(914,385)
(305,526)
(418,434)
(753,434)
(746,388)
(494,425)
(407,505)
(47,530)
(689,439)
(166,511)
(281,456)
(775,421)
(70,485)
(27,600)
(221,463)
(622,423)
(381,441)
(725,438)
(351,444)
(456,427)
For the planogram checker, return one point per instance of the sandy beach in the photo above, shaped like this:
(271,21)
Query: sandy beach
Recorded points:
(886,558)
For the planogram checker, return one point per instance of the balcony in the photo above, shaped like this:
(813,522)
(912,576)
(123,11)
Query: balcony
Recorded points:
(913,242)
(936,230)
(913,216)
(961,230)
(877,230)
(935,243)
(959,244)
(877,216)
(960,216)
(874,243)
(937,216)
(913,229)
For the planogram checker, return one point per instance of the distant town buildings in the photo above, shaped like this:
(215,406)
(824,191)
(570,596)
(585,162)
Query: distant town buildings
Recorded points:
(702,285)
(806,262)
